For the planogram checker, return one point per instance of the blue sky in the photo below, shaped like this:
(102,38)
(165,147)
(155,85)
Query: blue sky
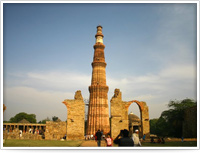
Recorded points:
(150,52)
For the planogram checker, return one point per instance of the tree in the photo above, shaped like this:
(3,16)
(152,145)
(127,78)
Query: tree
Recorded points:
(153,129)
(20,116)
(159,127)
(170,123)
(174,117)
(44,121)
(54,118)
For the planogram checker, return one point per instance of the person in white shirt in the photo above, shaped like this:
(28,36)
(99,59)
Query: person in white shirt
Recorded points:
(136,139)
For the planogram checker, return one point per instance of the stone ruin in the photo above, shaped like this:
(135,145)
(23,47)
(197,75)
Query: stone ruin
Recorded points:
(98,116)
(55,130)
(75,117)
(75,126)
(119,115)
(23,130)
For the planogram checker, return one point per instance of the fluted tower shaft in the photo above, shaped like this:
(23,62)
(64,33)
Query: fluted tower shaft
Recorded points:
(98,113)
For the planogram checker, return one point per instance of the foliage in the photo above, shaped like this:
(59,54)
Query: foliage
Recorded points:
(6,121)
(153,129)
(159,127)
(54,118)
(20,116)
(171,121)
(175,115)
(44,120)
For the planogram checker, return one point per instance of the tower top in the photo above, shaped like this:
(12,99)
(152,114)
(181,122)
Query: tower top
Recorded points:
(99,35)
(99,26)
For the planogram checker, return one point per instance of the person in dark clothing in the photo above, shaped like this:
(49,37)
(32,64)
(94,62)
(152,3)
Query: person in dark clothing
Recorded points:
(98,136)
(159,140)
(163,140)
(152,140)
(123,140)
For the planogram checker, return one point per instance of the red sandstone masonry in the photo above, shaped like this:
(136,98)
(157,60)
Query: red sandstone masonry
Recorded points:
(98,114)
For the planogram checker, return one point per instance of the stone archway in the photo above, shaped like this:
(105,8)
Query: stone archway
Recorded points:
(119,115)
(144,115)
(75,117)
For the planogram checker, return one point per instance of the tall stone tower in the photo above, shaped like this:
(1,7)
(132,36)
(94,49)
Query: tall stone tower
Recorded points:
(98,113)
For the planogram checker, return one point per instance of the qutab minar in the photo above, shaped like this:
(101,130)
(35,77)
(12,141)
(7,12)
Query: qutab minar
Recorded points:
(98,112)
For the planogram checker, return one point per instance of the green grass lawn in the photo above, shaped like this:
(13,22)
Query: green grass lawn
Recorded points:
(41,143)
(57,143)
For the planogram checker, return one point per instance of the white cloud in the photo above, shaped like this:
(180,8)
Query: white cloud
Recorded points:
(172,82)
(171,73)
(42,103)
(172,54)
(52,81)
(43,93)
(179,72)
(146,97)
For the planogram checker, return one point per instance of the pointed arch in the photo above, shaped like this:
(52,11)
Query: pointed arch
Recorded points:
(119,115)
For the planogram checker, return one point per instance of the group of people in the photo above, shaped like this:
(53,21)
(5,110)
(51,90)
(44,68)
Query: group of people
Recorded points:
(122,139)
(159,140)
(34,131)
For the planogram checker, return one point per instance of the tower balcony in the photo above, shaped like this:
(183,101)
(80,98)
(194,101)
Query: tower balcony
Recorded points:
(99,45)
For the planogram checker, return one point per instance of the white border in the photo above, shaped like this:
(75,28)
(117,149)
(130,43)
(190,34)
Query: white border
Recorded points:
(102,148)
(188,1)
(198,75)
(1,83)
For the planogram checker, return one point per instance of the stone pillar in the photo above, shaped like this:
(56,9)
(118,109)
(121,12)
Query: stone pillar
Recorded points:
(24,129)
(75,117)
(119,114)
(98,111)
(145,119)
(144,112)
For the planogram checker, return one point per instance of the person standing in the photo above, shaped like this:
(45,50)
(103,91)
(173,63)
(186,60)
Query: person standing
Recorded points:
(109,141)
(98,136)
(20,133)
(144,136)
(123,139)
(182,138)
(136,139)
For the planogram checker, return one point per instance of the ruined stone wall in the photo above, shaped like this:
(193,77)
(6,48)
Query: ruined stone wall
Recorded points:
(144,111)
(21,131)
(119,114)
(16,135)
(190,123)
(55,130)
(75,117)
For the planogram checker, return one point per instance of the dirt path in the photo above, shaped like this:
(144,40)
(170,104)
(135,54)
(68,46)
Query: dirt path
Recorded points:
(92,143)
